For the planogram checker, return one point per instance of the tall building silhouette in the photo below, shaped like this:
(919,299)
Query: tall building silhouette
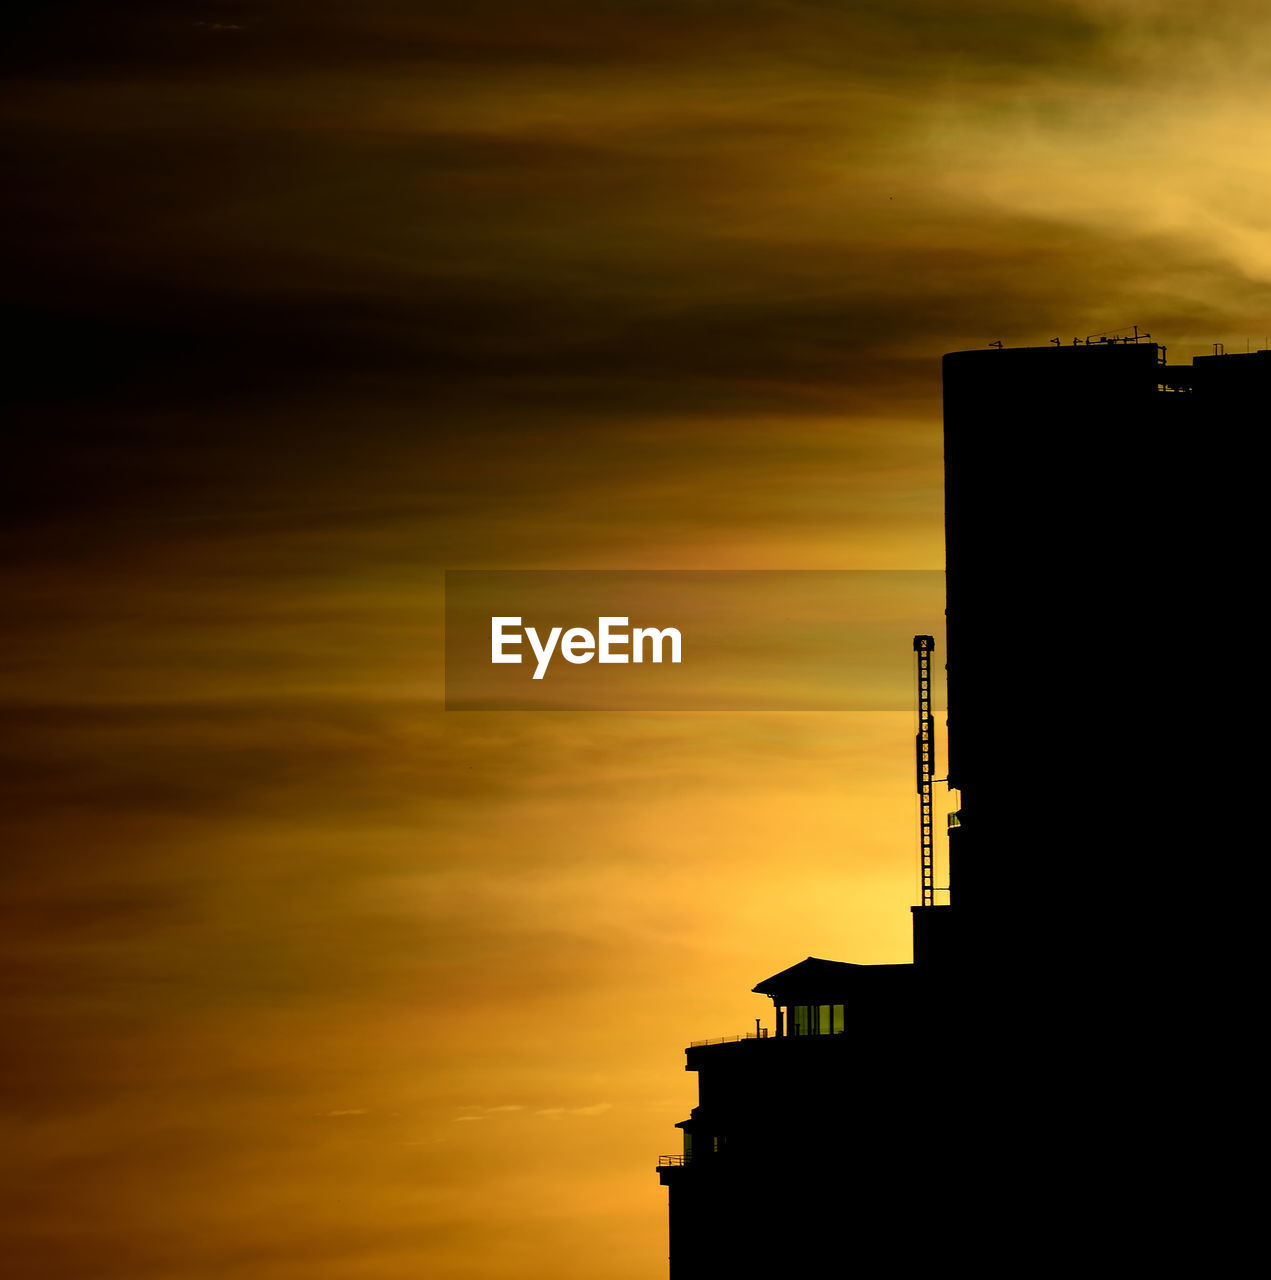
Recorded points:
(992,1098)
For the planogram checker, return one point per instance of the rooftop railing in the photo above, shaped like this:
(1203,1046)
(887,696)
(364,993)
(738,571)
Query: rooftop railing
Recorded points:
(749,1035)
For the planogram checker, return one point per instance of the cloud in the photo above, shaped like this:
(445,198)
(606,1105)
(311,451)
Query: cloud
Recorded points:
(556,1113)
(485,1112)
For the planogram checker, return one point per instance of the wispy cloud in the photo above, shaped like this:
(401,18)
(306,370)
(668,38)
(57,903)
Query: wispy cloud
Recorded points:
(481,1113)
(556,1113)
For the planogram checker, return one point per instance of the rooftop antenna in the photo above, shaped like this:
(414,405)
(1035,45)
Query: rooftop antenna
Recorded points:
(1110,336)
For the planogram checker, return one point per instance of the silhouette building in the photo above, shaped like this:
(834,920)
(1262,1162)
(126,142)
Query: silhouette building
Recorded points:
(899,1113)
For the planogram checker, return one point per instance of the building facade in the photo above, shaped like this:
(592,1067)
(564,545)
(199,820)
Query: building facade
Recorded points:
(899,1115)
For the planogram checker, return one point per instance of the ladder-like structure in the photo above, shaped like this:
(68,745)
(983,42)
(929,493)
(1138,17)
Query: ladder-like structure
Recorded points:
(925,751)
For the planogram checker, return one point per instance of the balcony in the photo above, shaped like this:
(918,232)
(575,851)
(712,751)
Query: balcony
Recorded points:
(671,1169)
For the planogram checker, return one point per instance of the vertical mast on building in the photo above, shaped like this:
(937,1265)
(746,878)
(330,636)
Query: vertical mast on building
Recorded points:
(924,750)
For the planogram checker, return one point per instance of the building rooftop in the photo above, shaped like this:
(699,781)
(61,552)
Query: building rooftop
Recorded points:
(813,980)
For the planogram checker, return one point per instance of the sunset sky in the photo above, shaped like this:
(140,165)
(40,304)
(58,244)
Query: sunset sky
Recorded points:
(309,303)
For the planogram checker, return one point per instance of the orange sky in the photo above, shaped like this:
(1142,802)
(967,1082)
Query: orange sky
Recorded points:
(306,976)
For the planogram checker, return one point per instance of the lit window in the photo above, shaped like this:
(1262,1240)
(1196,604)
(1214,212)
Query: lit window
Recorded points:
(817,1019)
